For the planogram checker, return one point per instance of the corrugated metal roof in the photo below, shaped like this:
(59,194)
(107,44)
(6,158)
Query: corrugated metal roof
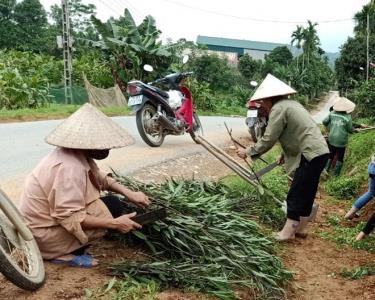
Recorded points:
(244,44)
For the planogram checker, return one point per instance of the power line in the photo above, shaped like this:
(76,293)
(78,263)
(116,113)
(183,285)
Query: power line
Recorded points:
(137,11)
(109,7)
(251,18)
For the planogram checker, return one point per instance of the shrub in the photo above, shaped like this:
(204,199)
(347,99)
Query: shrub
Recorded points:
(202,95)
(98,73)
(17,91)
(25,79)
(364,97)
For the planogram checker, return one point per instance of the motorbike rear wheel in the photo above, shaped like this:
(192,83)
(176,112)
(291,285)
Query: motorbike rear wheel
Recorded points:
(256,132)
(197,128)
(153,137)
(20,260)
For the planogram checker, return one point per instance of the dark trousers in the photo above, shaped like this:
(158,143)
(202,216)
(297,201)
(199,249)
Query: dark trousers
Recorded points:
(114,205)
(301,195)
(339,151)
(369,225)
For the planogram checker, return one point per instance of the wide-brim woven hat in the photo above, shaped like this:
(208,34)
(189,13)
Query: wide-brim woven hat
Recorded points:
(344,104)
(272,87)
(89,128)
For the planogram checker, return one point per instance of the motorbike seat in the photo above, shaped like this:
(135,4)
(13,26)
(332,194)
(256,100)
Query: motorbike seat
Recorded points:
(159,91)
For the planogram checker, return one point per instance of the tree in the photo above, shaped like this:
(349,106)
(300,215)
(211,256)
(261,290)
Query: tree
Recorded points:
(214,70)
(126,47)
(31,20)
(351,65)
(280,55)
(79,14)
(7,28)
(361,19)
(311,40)
(297,38)
(24,26)
(248,66)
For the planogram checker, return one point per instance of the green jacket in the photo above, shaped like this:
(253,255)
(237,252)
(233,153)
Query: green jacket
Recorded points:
(291,124)
(340,125)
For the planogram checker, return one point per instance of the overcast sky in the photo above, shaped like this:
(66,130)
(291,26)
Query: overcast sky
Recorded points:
(260,20)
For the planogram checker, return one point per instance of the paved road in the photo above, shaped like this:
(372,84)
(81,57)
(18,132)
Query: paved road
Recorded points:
(22,146)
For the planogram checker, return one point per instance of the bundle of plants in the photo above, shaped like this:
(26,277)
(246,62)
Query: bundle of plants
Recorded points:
(209,242)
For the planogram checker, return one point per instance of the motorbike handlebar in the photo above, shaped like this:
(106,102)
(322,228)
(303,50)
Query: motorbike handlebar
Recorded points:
(185,74)
(156,81)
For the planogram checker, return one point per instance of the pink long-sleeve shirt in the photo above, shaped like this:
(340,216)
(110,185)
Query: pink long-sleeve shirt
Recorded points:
(63,188)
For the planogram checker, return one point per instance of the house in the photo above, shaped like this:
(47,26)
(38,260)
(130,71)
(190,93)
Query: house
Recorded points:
(234,49)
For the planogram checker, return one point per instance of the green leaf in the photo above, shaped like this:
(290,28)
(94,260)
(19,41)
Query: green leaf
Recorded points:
(139,235)
(110,285)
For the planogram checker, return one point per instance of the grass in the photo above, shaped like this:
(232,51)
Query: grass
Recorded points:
(347,186)
(358,272)
(275,181)
(345,236)
(124,289)
(54,111)
(354,174)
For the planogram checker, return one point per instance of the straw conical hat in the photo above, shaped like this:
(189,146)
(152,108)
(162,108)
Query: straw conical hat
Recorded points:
(89,128)
(271,87)
(344,104)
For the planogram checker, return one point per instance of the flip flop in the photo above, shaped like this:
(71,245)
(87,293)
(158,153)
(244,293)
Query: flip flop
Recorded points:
(83,261)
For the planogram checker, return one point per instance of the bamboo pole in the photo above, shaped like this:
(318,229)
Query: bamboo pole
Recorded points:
(233,165)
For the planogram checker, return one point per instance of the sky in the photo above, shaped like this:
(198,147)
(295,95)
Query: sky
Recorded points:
(260,20)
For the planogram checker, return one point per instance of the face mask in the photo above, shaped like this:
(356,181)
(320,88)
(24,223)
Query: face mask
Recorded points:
(97,154)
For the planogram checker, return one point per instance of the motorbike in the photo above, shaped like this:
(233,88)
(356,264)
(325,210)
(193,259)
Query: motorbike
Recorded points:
(20,259)
(256,120)
(159,112)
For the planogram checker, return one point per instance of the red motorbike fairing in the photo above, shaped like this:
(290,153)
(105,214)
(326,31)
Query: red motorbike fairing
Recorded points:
(185,112)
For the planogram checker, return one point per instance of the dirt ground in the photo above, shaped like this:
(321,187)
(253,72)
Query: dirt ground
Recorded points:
(316,262)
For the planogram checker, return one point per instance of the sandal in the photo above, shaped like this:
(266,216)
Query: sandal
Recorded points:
(83,261)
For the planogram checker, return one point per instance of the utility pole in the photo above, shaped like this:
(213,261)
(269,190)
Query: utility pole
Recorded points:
(67,45)
(367,43)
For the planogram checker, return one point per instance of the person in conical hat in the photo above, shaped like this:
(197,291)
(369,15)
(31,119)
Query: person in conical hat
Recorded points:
(340,125)
(305,151)
(61,200)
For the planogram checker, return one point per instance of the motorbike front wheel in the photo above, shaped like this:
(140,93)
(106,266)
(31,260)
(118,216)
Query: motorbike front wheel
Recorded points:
(150,133)
(20,259)
(197,128)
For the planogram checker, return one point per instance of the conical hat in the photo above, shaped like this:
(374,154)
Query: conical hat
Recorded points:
(272,87)
(89,128)
(344,104)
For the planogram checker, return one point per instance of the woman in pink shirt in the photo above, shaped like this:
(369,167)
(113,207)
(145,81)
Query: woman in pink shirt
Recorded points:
(61,199)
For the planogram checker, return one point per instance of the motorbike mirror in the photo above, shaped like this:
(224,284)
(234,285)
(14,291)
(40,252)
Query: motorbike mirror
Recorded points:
(253,83)
(185,59)
(148,68)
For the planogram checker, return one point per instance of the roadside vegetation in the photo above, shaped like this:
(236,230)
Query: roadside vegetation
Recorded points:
(349,185)
(113,52)
(216,240)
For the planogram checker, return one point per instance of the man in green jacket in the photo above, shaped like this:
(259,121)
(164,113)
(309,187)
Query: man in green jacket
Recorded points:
(305,151)
(340,125)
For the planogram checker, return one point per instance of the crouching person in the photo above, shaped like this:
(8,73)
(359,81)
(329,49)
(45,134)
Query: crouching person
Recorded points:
(369,227)
(61,198)
(304,147)
(366,197)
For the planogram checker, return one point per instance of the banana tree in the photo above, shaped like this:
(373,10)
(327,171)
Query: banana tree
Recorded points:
(126,47)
